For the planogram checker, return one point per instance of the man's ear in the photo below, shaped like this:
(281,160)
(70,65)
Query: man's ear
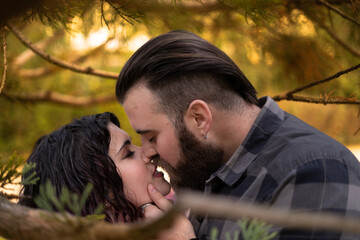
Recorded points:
(198,118)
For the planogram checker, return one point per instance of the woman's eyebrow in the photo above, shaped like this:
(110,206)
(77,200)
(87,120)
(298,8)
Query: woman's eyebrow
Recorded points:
(127,142)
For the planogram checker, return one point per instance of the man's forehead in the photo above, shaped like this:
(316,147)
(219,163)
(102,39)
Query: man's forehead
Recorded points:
(141,106)
(141,99)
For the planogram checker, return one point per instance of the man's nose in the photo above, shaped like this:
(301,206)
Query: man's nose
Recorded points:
(149,151)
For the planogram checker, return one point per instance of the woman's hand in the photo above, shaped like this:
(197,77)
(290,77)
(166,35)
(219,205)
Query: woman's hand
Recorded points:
(181,229)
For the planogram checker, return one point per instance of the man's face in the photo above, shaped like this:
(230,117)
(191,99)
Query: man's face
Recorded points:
(158,135)
(189,161)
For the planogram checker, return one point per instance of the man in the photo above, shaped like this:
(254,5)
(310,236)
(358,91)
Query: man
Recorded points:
(200,119)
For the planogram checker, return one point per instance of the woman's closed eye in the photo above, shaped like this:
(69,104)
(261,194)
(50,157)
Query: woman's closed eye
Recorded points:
(129,154)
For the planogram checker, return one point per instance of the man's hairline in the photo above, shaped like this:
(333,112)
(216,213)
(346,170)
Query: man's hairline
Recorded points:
(143,82)
(159,109)
(139,83)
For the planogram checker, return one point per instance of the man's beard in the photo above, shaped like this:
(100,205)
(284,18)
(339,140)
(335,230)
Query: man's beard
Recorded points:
(197,162)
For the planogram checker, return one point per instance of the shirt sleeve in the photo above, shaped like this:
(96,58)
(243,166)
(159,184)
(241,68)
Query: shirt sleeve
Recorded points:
(321,185)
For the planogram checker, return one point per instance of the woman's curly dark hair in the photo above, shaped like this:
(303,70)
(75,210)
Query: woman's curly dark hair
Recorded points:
(75,155)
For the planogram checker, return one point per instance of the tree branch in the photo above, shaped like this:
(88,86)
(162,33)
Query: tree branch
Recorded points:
(43,71)
(193,7)
(58,62)
(5,60)
(61,99)
(154,7)
(321,100)
(28,54)
(73,101)
(331,7)
(353,68)
(18,222)
(231,208)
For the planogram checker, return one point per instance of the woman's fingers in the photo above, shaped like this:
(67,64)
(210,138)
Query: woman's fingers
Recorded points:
(152,211)
(181,229)
(160,201)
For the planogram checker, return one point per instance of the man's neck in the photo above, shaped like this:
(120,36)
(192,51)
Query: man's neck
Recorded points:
(232,128)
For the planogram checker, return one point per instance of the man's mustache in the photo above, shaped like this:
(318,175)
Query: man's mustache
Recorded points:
(158,161)
(155,159)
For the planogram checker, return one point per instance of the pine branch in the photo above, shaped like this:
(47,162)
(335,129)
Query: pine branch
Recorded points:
(331,7)
(8,169)
(73,101)
(61,99)
(321,100)
(4,59)
(103,14)
(118,11)
(58,62)
(190,7)
(44,71)
(255,230)
(18,222)
(48,200)
(56,13)
(26,55)
(353,68)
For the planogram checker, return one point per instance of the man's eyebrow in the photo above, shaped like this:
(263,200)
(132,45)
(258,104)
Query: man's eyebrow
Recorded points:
(142,131)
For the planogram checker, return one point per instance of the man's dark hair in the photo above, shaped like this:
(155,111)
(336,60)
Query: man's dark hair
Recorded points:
(179,67)
(75,155)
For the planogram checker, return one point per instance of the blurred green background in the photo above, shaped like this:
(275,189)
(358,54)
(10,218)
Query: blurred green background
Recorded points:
(279,45)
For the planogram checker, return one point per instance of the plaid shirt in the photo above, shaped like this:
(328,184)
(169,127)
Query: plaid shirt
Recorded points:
(286,163)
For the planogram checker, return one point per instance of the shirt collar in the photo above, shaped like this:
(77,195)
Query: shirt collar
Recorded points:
(267,122)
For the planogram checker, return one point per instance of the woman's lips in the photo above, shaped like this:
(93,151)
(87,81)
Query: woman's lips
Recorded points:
(157,174)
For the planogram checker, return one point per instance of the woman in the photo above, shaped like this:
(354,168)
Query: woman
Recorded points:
(95,150)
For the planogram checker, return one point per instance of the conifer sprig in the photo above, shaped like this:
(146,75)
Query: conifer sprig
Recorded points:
(9,172)
(66,201)
(250,230)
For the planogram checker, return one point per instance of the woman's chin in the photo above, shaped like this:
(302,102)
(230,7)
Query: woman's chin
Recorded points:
(166,189)
(163,186)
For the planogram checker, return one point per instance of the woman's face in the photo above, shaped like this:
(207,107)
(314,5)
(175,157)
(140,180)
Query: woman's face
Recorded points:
(134,168)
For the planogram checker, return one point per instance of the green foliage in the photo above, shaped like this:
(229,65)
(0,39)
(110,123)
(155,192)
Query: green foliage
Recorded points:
(255,230)
(114,12)
(48,200)
(32,178)
(9,171)
(62,12)
(214,233)
(235,235)
(250,230)
(56,13)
